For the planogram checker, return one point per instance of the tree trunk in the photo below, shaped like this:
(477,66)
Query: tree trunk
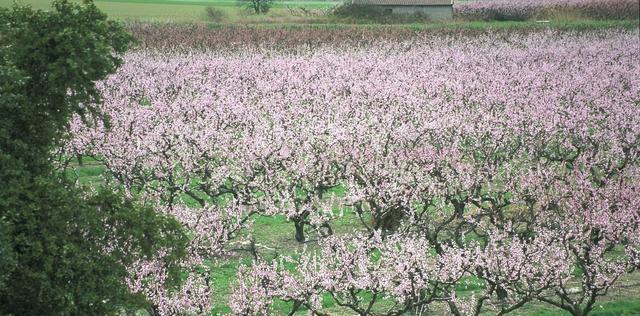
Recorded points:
(299,223)
(502,293)
(329,231)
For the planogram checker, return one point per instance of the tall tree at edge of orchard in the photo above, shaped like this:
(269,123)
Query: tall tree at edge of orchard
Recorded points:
(64,249)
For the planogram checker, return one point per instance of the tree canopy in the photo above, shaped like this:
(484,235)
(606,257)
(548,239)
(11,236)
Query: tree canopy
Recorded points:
(64,249)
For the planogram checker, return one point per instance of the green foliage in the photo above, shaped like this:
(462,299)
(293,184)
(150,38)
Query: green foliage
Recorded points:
(71,250)
(7,257)
(58,55)
(64,250)
(257,6)
(358,13)
(215,15)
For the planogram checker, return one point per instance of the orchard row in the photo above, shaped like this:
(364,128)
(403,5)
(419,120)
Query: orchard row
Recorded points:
(510,161)
(521,10)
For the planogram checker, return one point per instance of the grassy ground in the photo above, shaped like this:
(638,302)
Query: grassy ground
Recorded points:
(287,13)
(194,10)
(275,235)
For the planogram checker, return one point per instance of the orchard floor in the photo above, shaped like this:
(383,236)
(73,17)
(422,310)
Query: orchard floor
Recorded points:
(274,236)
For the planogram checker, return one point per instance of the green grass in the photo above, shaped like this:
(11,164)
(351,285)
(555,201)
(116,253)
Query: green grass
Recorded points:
(621,307)
(189,11)
(625,307)
(274,236)
(90,173)
(227,3)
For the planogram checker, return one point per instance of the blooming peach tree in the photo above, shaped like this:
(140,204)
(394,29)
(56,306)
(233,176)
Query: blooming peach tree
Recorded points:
(509,167)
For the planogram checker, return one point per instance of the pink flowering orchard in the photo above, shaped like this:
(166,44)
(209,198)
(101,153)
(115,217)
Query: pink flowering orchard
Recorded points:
(542,9)
(482,173)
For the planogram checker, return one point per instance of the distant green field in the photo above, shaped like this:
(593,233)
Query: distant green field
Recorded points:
(287,13)
(191,10)
(228,3)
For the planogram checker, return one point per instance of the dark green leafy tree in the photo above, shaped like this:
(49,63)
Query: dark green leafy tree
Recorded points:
(257,6)
(64,249)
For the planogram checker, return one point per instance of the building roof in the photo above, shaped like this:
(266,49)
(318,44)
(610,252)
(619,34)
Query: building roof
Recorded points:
(403,2)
